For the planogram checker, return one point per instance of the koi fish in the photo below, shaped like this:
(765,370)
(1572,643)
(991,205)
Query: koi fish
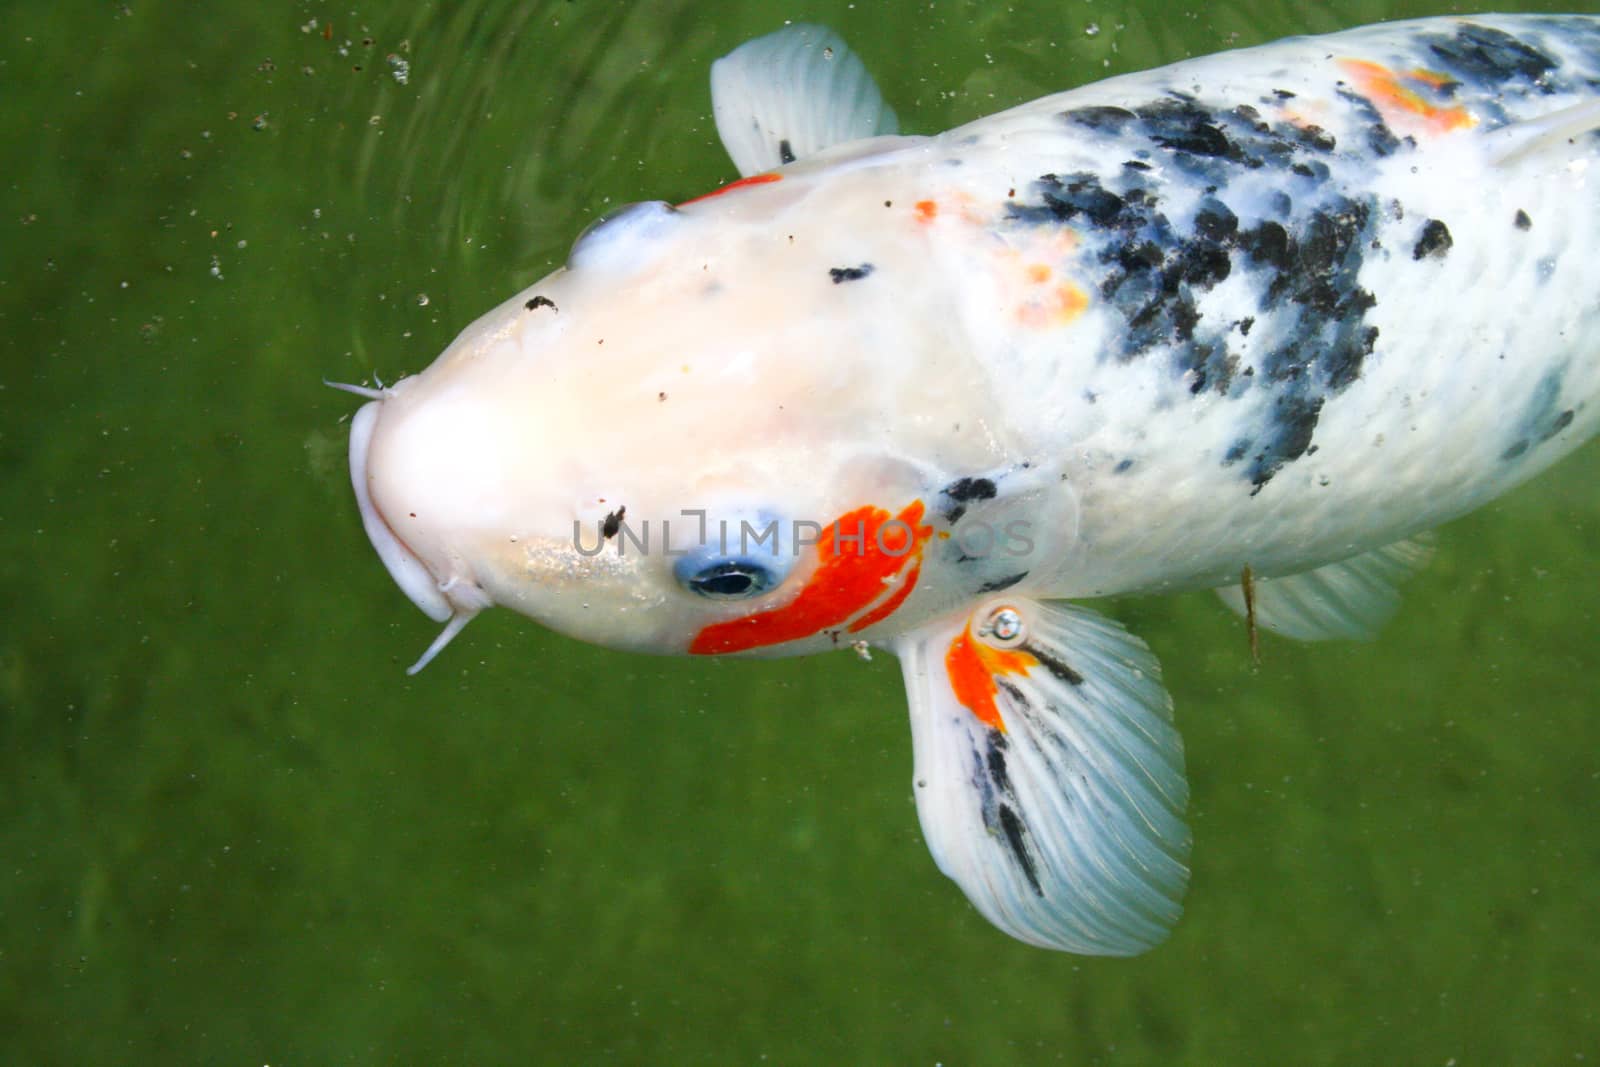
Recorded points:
(1251,322)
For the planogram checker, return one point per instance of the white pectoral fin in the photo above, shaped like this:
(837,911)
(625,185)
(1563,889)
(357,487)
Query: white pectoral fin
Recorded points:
(1558,131)
(1049,776)
(1349,600)
(791,94)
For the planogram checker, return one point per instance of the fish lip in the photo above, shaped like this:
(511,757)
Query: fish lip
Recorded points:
(405,566)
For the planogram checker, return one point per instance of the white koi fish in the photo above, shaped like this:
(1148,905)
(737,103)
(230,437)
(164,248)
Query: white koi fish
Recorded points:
(1249,322)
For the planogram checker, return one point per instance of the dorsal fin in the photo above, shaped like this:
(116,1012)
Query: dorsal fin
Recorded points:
(792,93)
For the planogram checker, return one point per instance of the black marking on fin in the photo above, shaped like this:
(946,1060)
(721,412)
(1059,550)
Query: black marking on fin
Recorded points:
(1522,221)
(1017,837)
(1012,691)
(996,797)
(785,152)
(1053,665)
(995,760)
(613,522)
(541,302)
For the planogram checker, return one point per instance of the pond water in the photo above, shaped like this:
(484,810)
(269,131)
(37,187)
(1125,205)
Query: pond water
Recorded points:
(232,830)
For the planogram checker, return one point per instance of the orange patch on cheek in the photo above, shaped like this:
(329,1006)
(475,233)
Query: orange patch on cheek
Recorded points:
(742,183)
(1386,89)
(972,667)
(891,605)
(860,552)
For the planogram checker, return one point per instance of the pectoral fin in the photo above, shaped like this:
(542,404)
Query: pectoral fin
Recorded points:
(1350,599)
(791,94)
(1049,776)
(1557,133)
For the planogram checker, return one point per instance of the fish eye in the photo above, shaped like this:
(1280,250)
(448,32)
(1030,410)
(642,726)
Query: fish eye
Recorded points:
(729,579)
(618,237)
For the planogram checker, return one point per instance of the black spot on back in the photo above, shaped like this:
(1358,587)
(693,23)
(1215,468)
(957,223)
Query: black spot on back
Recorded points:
(849,274)
(1302,248)
(1380,139)
(1110,119)
(1485,57)
(1434,241)
(1542,417)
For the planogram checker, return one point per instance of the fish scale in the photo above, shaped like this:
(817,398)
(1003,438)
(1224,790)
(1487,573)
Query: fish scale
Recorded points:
(1317,249)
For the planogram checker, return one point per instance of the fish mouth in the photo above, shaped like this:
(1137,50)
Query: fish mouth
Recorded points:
(405,566)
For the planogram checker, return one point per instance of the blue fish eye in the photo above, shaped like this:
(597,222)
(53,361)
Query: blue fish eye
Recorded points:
(730,579)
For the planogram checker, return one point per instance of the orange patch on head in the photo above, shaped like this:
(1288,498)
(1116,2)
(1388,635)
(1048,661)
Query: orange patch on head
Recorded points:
(972,667)
(859,555)
(1402,104)
(754,179)
(927,210)
(1038,272)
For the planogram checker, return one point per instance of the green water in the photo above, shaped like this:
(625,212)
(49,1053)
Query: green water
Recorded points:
(232,831)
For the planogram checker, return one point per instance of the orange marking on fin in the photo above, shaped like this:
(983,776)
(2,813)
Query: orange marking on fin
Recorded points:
(972,667)
(1038,272)
(927,210)
(1396,101)
(742,183)
(860,552)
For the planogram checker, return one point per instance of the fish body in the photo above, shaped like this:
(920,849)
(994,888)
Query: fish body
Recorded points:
(1251,322)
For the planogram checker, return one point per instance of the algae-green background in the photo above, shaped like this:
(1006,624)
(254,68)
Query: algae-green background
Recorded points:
(232,831)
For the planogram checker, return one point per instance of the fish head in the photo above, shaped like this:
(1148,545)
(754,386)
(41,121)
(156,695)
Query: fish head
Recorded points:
(668,445)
